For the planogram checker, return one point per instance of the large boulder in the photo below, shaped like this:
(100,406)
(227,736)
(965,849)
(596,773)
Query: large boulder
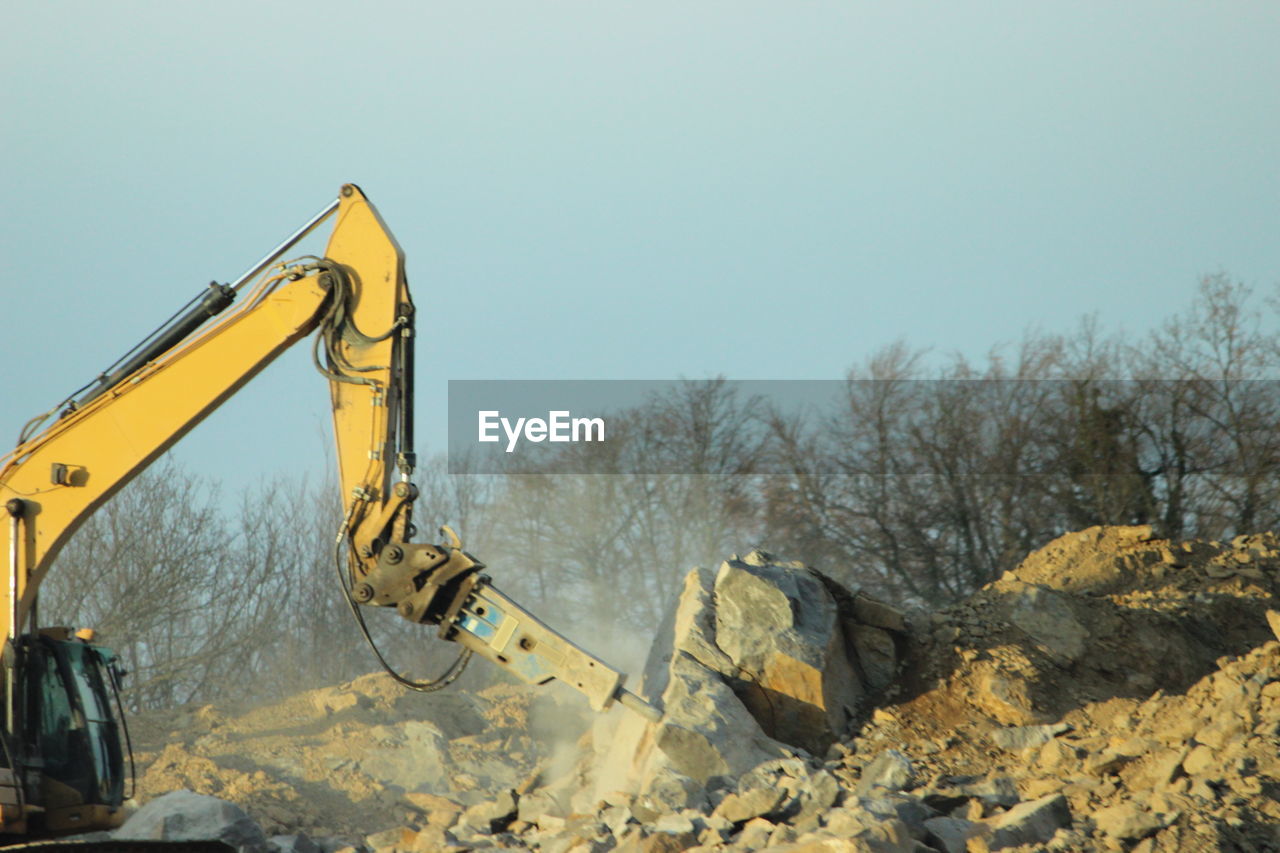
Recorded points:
(753,662)
(788,655)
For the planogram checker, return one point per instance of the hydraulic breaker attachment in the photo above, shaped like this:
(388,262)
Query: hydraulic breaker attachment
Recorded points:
(443,585)
(493,626)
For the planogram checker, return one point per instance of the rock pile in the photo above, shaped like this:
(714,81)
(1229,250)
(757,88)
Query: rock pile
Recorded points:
(1115,692)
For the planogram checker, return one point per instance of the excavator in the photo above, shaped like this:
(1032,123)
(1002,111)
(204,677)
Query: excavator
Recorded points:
(62,736)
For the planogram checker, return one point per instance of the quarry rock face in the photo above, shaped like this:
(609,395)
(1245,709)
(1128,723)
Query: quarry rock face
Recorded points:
(1115,692)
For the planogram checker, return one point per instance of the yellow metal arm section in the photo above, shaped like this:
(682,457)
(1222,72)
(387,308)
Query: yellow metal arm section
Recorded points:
(52,482)
(372,399)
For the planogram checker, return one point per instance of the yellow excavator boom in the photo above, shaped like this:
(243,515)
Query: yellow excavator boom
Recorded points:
(51,482)
(356,301)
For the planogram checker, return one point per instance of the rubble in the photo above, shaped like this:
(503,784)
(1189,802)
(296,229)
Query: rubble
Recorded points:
(187,816)
(355,759)
(1115,692)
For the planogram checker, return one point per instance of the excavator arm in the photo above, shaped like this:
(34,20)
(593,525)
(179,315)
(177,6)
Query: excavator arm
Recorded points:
(356,301)
(356,296)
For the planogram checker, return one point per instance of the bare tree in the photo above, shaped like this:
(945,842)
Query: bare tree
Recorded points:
(152,571)
(1217,440)
(926,481)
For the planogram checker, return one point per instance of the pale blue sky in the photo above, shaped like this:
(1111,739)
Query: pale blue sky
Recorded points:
(639,190)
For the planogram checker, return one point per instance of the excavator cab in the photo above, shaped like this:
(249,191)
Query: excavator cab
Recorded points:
(70,752)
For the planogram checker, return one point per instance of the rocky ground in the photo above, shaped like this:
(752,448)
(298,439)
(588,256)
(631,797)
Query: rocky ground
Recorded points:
(350,760)
(1115,692)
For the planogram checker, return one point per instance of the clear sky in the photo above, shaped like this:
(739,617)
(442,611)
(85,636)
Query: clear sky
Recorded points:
(764,190)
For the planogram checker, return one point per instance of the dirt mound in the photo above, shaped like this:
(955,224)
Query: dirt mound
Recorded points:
(1114,692)
(1096,615)
(1139,678)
